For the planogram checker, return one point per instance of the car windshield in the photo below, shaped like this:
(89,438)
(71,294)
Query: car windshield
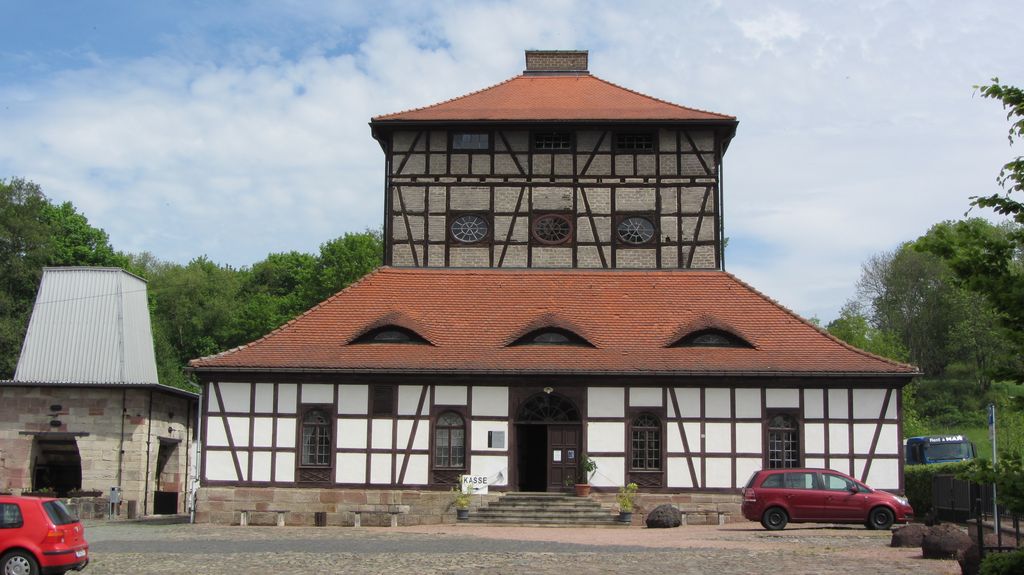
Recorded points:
(59,514)
(936,451)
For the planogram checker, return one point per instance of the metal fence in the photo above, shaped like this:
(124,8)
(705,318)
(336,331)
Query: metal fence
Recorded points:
(959,501)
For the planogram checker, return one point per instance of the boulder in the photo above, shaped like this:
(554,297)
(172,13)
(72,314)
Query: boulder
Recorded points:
(908,535)
(970,559)
(664,516)
(944,542)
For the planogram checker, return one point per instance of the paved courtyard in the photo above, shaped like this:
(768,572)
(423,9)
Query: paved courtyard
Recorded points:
(138,549)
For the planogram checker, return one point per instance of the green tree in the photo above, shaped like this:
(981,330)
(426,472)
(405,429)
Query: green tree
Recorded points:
(853,327)
(24,249)
(1011,176)
(76,243)
(344,260)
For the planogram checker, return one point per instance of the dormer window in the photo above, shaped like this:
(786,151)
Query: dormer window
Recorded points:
(711,338)
(390,334)
(552,336)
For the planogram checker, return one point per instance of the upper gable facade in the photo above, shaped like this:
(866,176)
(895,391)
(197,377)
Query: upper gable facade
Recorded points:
(554,169)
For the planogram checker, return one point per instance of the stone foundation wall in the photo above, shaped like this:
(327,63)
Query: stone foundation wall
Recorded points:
(223,505)
(697,508)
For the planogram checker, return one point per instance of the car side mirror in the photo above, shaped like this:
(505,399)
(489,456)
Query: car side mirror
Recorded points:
(854,489)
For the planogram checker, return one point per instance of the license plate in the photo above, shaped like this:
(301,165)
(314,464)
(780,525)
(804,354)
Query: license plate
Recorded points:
(80,553)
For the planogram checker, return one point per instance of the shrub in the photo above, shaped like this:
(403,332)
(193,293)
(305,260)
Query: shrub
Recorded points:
(1003,563)
(918,483)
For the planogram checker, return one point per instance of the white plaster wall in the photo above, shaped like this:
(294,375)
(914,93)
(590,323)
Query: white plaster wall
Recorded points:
(263,431)
(243,461)
(235,396)
(814,404)
(645,397)
(380,433)
(782,398)
(717,438)
(416,471)
(352,433)
(239,429)
(286,432)
(213,406)
(889,440)
(450,395)
(719,472)
(674,441)
(353,399)
(611,472)
(215,435)
(814,462)
(867,403)
(689,401)
(606,436)
(748,403)
(284,467)
(220,466)
(814,438)
(884,474)
(606,402)
(679,472)
(748,437)
(745,468)
(838,404)
(495,467)
(317,393)
(863,433)
(409,399)
(490,401)
(858,468)
(842,465)
(380,468)
(891,412)
(351,468)
(838,438)
(717,402)
(286,397)
(264,398)
(479,434)
(422,434)
(261,466)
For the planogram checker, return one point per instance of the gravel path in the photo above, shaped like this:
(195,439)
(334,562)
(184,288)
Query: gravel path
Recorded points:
(734,549)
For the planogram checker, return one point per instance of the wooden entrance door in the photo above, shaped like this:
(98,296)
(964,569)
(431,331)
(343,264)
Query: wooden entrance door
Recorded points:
(563,456)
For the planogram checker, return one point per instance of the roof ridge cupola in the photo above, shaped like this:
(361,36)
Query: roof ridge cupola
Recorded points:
(552,62)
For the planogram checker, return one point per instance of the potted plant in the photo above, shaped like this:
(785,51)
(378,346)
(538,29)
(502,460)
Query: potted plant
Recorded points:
(587,469)
(625,498)
(461,502)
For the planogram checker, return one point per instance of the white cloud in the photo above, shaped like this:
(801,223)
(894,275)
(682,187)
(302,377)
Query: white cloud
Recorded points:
(853,137)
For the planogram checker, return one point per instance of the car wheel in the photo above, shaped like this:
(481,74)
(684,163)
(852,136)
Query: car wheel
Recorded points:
(880,518)
(19,563)
(774,519)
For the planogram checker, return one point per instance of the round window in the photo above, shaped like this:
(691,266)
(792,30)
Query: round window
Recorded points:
(552,229)
(635,230)
(469,228)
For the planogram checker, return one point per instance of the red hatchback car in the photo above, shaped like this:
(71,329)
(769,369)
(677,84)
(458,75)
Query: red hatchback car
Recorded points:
(776,497)
(39,536)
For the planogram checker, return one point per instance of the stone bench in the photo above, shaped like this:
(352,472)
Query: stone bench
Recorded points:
(393,510)
(245,514)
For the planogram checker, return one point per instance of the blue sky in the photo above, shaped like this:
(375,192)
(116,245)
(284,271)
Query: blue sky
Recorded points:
(237,129)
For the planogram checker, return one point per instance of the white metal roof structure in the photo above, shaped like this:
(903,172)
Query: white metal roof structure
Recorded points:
(89,326)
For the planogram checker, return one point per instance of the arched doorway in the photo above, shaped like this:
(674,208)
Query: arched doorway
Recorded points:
(547,443)
(56,464)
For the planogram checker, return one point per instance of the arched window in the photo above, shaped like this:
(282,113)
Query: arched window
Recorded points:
(450,441)
(316,439)
(711,338)
(783,442)
(645,432)
(390,334)
(552,336)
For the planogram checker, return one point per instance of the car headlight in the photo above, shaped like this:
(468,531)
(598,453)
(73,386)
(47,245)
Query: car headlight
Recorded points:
(902,500)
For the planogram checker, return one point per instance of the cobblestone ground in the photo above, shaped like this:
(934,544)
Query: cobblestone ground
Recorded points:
(735,549)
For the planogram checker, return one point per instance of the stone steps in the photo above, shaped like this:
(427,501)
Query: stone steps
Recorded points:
(545,509)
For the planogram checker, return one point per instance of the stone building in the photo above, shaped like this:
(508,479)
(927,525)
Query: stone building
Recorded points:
(553,287)
(85,412)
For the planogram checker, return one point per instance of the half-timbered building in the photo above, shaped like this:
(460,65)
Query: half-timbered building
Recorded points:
(553,287)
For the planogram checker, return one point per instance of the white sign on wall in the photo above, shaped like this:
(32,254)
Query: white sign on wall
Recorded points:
(474,484)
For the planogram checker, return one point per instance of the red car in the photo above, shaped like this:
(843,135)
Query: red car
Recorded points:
(39,536)
(776,497)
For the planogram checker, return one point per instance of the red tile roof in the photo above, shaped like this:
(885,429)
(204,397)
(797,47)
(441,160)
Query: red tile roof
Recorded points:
(557,97)
(470,317)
